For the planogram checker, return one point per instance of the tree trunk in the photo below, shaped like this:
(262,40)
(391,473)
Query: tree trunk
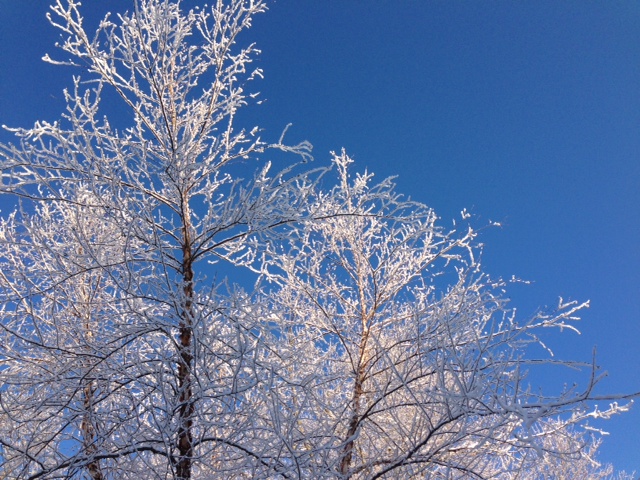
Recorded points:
(83,312)
(347,452)
(89,432)
(354,422)
(185,359)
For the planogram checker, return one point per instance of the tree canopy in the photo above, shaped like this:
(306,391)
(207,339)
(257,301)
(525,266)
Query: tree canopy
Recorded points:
(369,344)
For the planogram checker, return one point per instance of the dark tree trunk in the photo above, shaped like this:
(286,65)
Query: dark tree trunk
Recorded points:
(185,360)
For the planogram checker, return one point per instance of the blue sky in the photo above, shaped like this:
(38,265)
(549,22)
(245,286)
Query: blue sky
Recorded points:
(527,113)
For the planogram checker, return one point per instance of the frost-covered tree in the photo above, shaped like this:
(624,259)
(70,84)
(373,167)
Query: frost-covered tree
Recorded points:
(166,187)
(396,357)
(374,348)
(67,342)
(561,451)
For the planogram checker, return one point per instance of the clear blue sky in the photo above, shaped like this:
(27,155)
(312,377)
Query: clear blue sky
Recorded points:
(527,113)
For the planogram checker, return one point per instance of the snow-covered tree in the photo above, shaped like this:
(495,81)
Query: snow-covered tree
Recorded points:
(396,356)
(166,186)
(67,340)
(375,347)
(559,450)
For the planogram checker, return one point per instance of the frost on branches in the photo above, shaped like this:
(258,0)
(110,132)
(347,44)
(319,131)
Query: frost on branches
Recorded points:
(396,356)
(372,345)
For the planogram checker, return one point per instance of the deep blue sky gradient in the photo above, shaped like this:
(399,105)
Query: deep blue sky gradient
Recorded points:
(527,113)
